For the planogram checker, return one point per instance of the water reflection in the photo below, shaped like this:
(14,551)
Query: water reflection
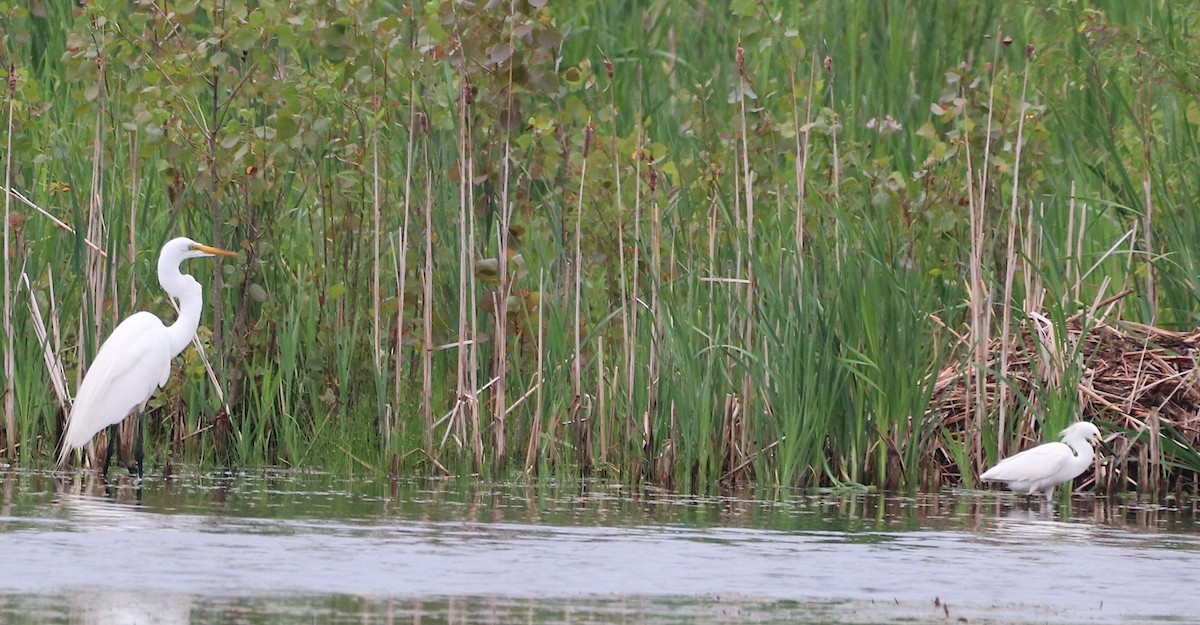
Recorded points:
(348,609)
(282,495)
(292,495)
(115,606)
(233,548)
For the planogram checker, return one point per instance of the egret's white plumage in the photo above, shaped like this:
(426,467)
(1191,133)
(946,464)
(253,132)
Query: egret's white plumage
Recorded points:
(136,358)
(1042,468)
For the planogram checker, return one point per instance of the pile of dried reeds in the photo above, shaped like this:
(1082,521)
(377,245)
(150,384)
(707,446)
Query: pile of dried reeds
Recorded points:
(1138,381)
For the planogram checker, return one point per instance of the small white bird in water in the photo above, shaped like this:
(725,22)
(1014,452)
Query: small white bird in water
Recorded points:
(1042,468)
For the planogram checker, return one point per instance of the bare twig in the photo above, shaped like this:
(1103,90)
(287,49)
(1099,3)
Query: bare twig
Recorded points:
(55,220)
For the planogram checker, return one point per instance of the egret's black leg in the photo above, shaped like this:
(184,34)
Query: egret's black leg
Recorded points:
(137,451)
(112,447)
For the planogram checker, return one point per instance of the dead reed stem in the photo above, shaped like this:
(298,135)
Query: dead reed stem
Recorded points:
(1030,251)
(623,266)
(657,314)
(376,234)
(601,401)
(835,164)
(96,269)
(577,317)
(401,256)
(10,376)
(1147,130)
(1011,265)
(533,450)
(802,153)
(427,314)
(633,307)
(457,422)
(472,329)
(134,194)
(504,288)
(977,310)
(217,283)
(466,403)
(747,338)
(54,367)
(1079,232)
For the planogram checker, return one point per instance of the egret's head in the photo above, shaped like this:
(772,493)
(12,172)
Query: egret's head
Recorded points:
(1085,431)
(183,248)
(1082,429)
(178,285)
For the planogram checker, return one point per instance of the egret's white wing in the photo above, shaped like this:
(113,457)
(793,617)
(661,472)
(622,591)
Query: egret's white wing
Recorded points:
(1030,465)
(131,364)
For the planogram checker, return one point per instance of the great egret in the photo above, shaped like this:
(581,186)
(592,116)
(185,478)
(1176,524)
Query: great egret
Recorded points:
(1042,468)
(136,358)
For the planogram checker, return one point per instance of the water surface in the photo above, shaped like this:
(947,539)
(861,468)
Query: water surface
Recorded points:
(282,548)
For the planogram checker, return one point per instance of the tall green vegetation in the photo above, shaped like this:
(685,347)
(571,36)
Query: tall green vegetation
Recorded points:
(650,241)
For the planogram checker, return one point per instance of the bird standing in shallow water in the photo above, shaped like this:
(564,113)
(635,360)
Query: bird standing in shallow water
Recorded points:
(136,358)
(1042,468)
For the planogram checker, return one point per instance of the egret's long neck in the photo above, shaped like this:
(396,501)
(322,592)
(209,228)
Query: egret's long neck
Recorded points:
(1083,450)
(188,293)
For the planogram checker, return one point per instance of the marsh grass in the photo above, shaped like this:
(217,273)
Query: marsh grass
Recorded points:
(650,242)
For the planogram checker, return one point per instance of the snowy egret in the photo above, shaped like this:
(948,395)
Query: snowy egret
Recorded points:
(136,358)
(1042,468)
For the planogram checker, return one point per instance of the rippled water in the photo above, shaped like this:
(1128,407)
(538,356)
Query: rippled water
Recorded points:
(282,548)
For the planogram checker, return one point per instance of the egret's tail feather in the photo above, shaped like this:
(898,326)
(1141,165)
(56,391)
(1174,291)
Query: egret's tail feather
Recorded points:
(64,454)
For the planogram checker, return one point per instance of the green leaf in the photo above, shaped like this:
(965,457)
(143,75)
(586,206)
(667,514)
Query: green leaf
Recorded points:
(286,127)
(1193,113)
(743,8)
(927,131)
(499,53)
(363,75)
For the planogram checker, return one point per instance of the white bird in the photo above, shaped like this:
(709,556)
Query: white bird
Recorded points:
(1042,468)
(135,360)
